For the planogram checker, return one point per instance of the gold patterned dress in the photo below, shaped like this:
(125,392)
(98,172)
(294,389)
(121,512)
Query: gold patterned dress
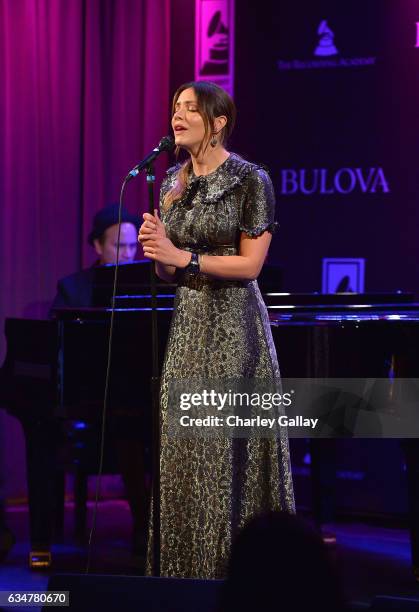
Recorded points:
(220,329)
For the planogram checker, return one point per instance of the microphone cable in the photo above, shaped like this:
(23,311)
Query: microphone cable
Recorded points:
(165,144)
(106,390)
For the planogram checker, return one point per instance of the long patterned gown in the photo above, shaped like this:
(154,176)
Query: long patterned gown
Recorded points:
(220,329)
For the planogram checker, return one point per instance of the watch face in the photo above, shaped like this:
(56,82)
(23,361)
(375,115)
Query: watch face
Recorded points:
(194,264)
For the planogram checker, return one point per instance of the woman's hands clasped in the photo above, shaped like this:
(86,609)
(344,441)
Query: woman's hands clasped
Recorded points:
(157,246)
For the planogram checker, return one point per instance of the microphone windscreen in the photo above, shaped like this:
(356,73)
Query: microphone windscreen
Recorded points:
(166,144)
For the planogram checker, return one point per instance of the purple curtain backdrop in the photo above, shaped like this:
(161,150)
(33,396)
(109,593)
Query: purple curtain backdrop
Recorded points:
(83,96)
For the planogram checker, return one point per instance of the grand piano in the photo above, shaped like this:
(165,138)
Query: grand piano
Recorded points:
(54,371)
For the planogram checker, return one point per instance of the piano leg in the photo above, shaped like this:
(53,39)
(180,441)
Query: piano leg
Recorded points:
(7,539)
(59,503)
(130,456)
(42,436)
(323,482)
(80,505)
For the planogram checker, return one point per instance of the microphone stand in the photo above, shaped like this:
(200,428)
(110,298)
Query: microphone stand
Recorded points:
(165,144)
(155,392)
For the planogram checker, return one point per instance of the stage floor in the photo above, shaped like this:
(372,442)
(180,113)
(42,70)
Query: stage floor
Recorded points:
(373,560)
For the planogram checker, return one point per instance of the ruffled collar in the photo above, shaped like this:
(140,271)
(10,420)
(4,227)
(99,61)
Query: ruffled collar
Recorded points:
(214,186)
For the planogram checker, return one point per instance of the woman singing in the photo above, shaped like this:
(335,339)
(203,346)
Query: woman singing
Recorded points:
(217,219)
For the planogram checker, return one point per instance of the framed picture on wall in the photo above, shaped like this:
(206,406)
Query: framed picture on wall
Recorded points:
(343,275)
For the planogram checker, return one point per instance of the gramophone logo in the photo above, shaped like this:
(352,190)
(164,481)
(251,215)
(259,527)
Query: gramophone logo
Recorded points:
(326,54)
(217,47)
(326,45)
(214,42)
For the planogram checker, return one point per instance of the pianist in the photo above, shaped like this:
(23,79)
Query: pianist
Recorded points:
(75,290)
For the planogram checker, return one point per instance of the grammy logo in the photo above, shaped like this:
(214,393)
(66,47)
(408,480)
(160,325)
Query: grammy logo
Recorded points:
(218,47)
(325,45)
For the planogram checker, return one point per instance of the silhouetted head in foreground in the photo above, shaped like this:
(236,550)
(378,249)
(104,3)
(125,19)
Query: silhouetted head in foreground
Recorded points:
(279,563)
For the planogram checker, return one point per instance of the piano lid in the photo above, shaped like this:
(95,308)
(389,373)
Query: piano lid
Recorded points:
(326,300)
(339,308)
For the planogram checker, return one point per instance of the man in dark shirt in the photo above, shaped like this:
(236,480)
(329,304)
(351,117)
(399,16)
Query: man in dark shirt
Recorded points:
(76,289)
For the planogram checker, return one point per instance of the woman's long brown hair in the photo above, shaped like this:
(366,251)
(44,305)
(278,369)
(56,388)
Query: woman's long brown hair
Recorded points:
(213,101)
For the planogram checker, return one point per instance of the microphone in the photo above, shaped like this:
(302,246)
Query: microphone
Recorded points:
(166,144)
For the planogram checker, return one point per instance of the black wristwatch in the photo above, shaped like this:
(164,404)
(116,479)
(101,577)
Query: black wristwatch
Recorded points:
(193,266)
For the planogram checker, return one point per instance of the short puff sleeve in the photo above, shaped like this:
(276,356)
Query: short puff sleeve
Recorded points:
(258,210)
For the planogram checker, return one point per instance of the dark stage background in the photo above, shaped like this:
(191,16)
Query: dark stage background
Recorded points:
(363,118)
